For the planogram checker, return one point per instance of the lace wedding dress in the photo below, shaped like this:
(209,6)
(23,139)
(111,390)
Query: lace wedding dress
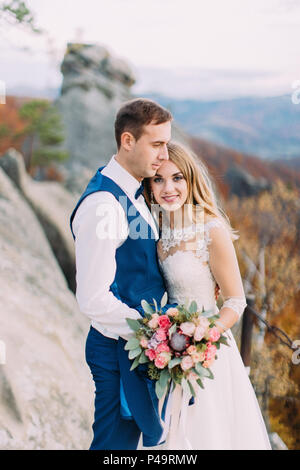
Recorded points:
(226,413)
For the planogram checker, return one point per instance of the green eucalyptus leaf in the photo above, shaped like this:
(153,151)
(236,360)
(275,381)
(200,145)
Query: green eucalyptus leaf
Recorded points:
(213,318)
(193,307)
(202,371)
(174,362)
(223,341)
(134,352)
(164,377)
(172,330)
(134,324)
(159,390)
(164,300)
(191,388)
(135,363)
(185,386)
(155,304)
(147,307)
(132,343)
(143,358)
(207,313)
(199,382)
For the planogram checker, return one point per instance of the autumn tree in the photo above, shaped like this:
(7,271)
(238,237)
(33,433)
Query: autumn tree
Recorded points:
(268,252)
(43,132)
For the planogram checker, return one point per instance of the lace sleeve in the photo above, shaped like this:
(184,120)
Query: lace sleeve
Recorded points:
(224,266)
(238,304)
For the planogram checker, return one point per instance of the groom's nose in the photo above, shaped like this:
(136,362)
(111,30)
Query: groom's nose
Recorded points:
(163,154)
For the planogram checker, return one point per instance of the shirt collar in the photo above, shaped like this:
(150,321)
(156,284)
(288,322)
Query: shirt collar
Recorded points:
(119,175)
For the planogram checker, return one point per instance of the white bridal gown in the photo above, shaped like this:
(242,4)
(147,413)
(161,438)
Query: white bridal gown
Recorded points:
(226,413)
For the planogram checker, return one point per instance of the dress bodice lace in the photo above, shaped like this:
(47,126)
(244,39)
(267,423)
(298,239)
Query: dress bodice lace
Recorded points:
(185,263)
(197,233)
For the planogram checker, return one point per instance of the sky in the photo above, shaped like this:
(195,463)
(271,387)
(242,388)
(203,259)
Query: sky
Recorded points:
(187,48)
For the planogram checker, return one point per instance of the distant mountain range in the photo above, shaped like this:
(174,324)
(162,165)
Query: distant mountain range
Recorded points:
(265,127)
(233,171)
(242,174)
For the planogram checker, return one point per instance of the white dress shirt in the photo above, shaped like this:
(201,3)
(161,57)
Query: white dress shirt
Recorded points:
(100,227)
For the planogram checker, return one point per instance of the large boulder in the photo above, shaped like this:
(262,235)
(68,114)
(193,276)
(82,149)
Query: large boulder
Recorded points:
(52,204)
(45,384)
(94,85)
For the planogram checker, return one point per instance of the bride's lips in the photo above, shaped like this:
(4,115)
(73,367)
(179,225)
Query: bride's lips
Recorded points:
(170,198)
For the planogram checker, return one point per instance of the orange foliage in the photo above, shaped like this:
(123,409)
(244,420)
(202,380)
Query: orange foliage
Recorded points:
(270,222)
(218,159)
(11,123)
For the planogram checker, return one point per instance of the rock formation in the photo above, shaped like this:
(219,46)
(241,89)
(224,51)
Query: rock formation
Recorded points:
(52,205)
(45,385)
(94,85)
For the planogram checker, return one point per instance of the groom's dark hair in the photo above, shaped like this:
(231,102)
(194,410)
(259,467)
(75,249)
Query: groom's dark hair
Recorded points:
(137,113)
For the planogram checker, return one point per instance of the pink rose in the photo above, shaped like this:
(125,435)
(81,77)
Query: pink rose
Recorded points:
(186,363)
(202,321)
(191,349)
(151,354)
(161,334)
(210,352)
(187,328)
(144,342)
(172,312)
(162,360)
(198,357)
(162,347)
(208,363)
(164,321)
(214,334)
(199,333)
(153,323)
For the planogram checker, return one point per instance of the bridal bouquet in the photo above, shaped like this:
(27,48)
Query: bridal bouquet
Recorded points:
(178,345)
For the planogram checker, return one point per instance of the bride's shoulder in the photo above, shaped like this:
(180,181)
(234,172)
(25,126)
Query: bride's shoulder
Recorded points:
(214,228)
(216,231)
(212,221)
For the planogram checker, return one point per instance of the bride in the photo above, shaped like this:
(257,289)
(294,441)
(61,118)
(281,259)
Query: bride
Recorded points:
(196,254)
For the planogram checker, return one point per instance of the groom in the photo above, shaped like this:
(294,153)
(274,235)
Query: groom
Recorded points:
(116,267)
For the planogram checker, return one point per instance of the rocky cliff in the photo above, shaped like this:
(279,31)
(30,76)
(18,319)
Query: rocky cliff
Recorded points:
(45,385)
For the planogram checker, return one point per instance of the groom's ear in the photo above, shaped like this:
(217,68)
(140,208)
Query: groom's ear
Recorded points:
(127,140)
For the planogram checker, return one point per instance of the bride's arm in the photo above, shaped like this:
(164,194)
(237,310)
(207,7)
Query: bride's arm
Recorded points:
(225,269)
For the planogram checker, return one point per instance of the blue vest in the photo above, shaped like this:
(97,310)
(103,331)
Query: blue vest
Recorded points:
(137,277)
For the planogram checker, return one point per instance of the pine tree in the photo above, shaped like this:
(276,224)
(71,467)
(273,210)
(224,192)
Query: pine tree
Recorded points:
(44,131)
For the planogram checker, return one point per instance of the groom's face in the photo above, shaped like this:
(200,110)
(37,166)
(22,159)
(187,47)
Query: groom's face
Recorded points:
(150,150)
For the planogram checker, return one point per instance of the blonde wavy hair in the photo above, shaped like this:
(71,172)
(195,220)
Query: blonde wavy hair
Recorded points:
(201,190)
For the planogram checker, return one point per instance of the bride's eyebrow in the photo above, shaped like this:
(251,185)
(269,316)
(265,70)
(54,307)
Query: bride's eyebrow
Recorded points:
(175,174)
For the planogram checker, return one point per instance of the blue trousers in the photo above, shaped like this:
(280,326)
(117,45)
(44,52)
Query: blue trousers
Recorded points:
(111,431)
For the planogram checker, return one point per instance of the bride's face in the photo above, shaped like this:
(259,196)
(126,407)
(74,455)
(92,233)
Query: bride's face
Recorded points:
(169,186)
